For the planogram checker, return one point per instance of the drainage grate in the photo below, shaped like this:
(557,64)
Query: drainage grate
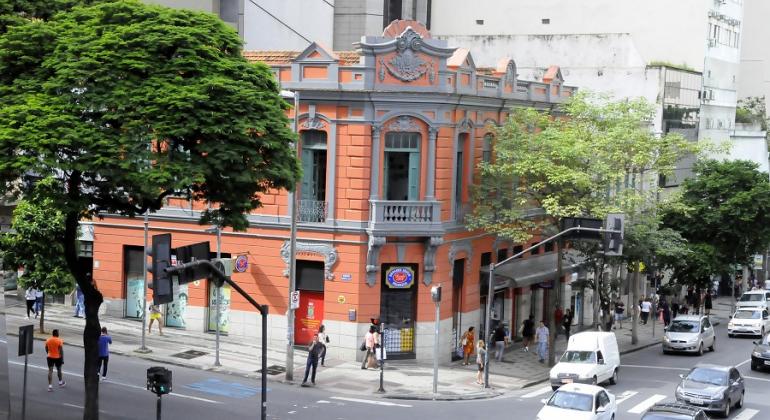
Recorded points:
(189,354)
(274,370)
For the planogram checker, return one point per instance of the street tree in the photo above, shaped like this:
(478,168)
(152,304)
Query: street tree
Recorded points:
(36,243)
(594,157)
(724,209)
(127,104)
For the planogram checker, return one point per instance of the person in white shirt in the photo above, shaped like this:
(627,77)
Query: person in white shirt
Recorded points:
(29,295)
(542,335)
(38,301)
(646,308)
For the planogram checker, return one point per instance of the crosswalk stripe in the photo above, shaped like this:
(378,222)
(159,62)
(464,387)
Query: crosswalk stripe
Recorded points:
(647,403)
(358,400)
(624,396)
(537,392)
(746,414)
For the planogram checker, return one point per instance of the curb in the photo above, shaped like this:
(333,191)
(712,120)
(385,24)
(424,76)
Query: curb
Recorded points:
(444,397)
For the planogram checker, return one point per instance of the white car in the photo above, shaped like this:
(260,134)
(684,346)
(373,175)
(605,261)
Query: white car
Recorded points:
(579,402)
(749,321)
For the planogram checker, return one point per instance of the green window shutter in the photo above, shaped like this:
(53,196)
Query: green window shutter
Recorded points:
(414,176)
(386,176)
(307,190)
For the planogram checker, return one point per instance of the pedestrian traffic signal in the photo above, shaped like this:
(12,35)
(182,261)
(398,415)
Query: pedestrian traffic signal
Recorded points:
(162,287)
(613,245)
(159,380)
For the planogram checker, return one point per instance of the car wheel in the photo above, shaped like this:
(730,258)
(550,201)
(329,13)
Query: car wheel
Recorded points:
(726,412)
(614,378)
(740,402)
(700,349)
(754,367)
(713,345)
(594,381)
(554,387)
(730,335)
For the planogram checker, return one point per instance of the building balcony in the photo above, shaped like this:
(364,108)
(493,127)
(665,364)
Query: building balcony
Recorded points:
(405,218)
(311,211)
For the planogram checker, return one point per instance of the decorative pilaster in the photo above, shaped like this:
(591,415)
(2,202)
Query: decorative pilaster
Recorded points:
(372,259)
(431,184)
(431,245)
(374,183)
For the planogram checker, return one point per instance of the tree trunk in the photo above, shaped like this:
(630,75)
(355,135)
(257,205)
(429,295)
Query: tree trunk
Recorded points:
(633,308)
(42,315)
(93,300)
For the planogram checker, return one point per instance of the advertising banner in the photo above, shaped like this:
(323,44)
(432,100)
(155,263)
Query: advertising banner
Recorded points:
(224,309)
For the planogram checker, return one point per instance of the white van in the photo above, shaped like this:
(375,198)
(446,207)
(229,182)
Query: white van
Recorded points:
(591,358)
(755,299)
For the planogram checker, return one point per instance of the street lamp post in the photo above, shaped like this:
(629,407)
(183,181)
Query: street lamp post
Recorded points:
(143,348)
(292,257)
(217,291)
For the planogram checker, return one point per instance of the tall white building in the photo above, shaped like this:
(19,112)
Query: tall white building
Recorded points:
(683,55)
(755,55)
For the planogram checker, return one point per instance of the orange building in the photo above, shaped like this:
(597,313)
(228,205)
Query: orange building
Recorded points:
(390,135)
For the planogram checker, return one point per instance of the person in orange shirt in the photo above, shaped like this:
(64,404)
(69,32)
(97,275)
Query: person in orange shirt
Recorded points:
(54,348)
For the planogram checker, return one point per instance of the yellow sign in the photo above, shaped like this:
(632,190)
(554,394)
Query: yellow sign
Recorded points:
(341,299)
(641,266)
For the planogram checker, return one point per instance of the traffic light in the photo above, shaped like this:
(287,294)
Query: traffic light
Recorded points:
(162,287)
(159,380)
(613,245)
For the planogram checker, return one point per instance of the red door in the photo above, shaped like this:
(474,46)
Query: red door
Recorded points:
(308,317)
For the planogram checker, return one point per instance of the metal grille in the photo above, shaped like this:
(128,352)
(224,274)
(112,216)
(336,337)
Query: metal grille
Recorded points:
(403,141)
(311,211)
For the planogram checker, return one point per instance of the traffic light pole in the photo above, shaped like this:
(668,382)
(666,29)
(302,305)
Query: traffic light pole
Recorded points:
(143,348)
(220,278)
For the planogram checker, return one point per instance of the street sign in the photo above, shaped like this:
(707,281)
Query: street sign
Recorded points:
(241,263)
(294,300)
(586,222)
(189,253)
(26,334)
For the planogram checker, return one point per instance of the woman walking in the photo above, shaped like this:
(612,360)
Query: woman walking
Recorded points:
(467,342)
(29,295)
(323,340)
(155,316)
(370,343)
(707,303)
(481,356)
(527,331)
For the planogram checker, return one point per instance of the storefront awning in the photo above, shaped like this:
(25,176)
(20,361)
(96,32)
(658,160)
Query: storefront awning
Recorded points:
(532,270)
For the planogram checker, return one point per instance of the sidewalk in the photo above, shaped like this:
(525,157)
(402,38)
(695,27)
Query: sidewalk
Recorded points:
(402,379)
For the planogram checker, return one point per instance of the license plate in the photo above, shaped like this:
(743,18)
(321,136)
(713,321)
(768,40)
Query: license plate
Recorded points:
(697,401)
(767,362)
(569,381)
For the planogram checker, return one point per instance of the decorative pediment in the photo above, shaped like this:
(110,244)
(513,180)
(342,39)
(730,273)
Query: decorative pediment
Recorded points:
(407,65)
(404,123)
(462,59)
(317,53)
(506,69)
(553,76)
(314,123)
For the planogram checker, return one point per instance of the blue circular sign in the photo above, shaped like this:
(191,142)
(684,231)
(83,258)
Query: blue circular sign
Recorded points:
(241,263)
(399,277)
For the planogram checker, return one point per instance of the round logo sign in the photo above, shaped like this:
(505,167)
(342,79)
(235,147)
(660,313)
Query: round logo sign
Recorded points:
(400,277)
(241,263)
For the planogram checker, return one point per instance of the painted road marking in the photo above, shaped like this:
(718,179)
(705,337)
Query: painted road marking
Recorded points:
(639,408)
(537,392)
(756,379)
(224,389)
(746,414)
(624,396)
(742,363)
(653,367)
(323,402)
(358,400)
(110,381)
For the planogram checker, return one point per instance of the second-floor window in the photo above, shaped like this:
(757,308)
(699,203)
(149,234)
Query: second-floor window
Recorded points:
(402,166)
(312,205)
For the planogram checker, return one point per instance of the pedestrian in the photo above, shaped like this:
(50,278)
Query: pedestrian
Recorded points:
(619,309)
(707,303)
(666,312)
(370,342)
(38,300)
(80,307)
(29,295)
(674,307)
(467,341)
(558,316)
(481,356)
(155,316)
(542,342)
(696,302)
(500,340)
(323,340)
(646,308)
(54,349)
(104,353)
(527,331)
(313,352)
(567,322)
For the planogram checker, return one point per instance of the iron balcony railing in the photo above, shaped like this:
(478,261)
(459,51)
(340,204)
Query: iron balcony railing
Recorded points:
(311,211)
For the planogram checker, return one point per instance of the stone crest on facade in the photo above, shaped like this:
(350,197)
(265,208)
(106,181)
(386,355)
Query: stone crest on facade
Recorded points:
(407,65)
(327,251)
(404,123)
(314,123)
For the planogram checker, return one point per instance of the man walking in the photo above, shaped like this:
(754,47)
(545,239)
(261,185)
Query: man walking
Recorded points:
(541,335)
(104,353)
(80,307)
(54,348)
(29,296)
(558,316)
(313,353)
(619,309)
(567,322)
(646,308)
(38,300)
(500,339)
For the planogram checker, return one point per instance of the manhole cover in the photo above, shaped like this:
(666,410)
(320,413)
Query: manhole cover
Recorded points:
(274,370)
(189,354)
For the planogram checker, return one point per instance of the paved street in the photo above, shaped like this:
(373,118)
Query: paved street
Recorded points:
(647,376)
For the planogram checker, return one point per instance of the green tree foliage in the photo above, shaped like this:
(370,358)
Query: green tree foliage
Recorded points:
(36,243)
(126,104)
(724,212)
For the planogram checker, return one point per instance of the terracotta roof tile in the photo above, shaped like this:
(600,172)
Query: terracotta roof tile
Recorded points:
(347,58)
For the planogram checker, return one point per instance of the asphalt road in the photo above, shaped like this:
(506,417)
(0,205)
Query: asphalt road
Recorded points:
(646,376)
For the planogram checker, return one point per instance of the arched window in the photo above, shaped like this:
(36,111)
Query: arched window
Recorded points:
(402,166)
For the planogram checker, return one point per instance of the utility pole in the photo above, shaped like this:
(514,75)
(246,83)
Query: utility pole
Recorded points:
(292,258)
(143,348)
(554,301)
(633,306)
(218,296)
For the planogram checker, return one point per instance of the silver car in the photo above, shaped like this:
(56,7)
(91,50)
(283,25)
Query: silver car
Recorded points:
(712,387)
(689,333)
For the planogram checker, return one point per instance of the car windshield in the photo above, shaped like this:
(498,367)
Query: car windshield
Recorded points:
(571,401)
(756,297)
(572,356)
(748,315)
(666,416)
(708,376)
(684,326)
